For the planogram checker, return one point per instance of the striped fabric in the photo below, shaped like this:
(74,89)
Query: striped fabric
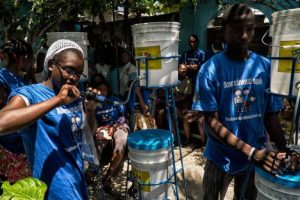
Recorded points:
(216,182)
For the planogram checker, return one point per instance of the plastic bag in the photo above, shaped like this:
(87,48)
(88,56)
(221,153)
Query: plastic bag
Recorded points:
(88,149)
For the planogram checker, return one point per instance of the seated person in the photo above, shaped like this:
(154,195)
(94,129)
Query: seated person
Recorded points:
(112,126)
(183,96)
(140,97)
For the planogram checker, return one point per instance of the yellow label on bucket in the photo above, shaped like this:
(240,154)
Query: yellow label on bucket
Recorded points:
(142,177)
(150,51)
(286,65)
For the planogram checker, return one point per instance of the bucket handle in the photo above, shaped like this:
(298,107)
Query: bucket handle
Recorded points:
(295,53)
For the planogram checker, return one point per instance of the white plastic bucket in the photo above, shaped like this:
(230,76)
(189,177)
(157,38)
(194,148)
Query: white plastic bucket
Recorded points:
(279,187)
(149,152)
(285,33)
(79,37)
(157,39)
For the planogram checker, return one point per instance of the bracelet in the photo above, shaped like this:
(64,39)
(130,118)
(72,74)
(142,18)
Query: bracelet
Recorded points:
(253,149)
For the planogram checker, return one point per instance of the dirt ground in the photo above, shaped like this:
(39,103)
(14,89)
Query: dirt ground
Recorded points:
(193,162)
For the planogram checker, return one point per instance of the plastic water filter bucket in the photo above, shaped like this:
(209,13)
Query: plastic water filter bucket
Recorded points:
(149,152)
(79,37)
(285,33)
(157,39)
(269,187)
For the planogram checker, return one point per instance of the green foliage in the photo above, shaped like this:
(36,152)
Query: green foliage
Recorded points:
(154,7)
(28,188)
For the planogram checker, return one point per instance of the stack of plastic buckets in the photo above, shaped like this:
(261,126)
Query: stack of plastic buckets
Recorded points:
(157,39)
(285,43)
(149,152)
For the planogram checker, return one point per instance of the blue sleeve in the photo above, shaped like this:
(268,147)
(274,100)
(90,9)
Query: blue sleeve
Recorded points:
(201,57)
(22,91)
(274,103)
(121,108)
(2,82)
(205,92)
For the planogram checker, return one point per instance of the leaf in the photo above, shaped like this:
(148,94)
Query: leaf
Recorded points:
(27,188)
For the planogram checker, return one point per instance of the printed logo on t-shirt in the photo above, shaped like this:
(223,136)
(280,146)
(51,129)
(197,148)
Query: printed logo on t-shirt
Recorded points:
(74,114)
(243,100)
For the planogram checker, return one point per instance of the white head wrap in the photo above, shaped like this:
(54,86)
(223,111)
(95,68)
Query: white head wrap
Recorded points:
(57,47)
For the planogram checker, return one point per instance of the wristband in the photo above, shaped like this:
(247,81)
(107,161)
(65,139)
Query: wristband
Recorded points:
(253,149)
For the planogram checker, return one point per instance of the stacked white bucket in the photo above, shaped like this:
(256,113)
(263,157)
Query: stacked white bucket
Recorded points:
(157,39)
(285,33)
(79,37)
(150,155)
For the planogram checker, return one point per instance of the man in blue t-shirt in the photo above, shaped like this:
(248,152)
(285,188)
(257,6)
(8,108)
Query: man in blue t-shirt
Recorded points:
(230,90)
(189,65)
(191,60)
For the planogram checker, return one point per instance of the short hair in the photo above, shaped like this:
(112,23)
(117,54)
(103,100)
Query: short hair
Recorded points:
(128,52)
(234,13)
(17,47)
(195,36)
(96,79)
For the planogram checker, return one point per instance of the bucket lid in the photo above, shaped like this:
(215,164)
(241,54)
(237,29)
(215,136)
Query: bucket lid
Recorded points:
(284,13)
(156,25)
(285,180)
(150,139)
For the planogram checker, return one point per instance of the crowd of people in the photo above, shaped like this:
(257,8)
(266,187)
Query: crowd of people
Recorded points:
(44,111)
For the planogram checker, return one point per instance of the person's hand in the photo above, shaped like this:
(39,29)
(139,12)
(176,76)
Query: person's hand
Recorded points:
(68,94)
(193,67)
(191,115)
(144,110)
(91,105)
(112,129)
(268,160)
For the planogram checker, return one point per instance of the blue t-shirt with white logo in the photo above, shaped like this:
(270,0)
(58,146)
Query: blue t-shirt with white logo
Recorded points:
(10,81)
(192,57)
(236,90)
(52,145)
(108,113)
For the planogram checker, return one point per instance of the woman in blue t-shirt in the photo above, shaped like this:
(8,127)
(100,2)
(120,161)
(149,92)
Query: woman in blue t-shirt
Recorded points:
(51,118)
(112,127)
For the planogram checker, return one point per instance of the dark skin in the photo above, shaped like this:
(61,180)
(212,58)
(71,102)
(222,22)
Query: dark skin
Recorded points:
(20,63)
(237,36)
(16,115)
(183,68)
